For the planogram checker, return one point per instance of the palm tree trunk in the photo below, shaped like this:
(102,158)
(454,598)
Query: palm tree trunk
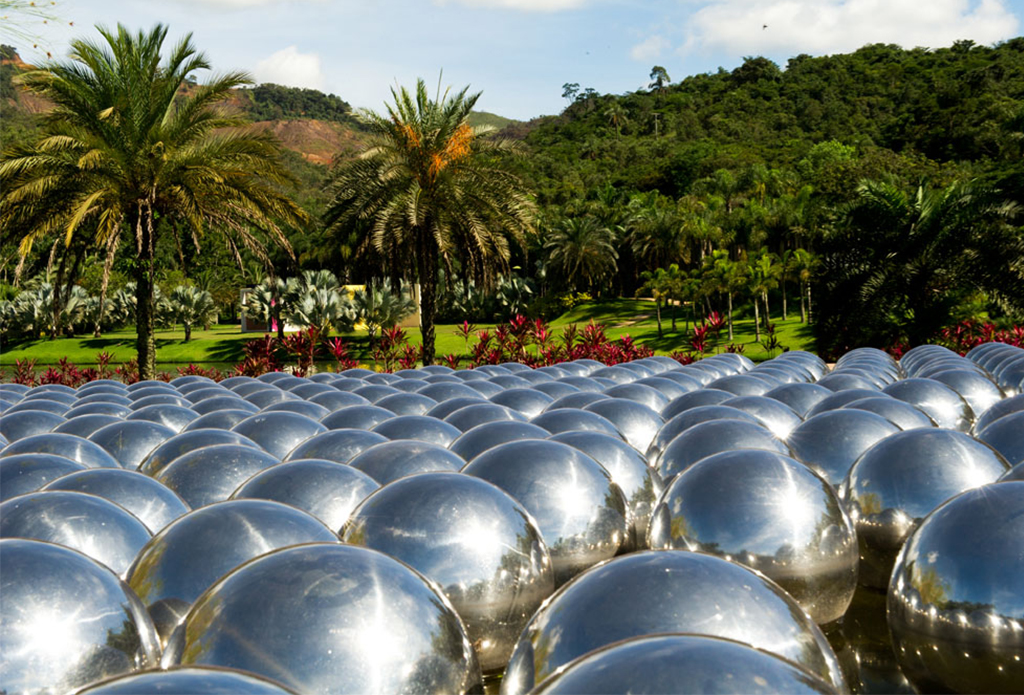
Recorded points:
(675,308)
(783,299)
(108,264)
(809,319)
(145,343)
(757,321)
(803,305)
(657,311)
(58,305)
(767,313)
(428,294)
(730,316)
(188,331)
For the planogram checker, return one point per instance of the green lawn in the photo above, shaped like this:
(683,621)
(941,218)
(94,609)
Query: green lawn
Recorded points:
(223,344)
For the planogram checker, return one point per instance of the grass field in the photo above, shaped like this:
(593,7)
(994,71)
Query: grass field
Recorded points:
(222,344)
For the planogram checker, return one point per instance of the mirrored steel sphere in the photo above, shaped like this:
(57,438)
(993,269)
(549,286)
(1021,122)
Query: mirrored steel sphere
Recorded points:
(556,389)
(840,398)
(130,442)
(357,417)
(151,502)
(527,401)
(800,397)
(640,483)
(210,474)
(478,544)
(662,664)
(581,513)
(332,618)
(407,403)
(695,399)
(900,413)
(445,408)
(1006,435)
(19,425)
(645,395)
(742,385)
(280,433)
(265,397)
(775,415)
(573,420)
(104,531)
(112,409)
(468,417)
(687,419)
(846,381)
(310,410)
(188,556)
(327,490)
(479,439)
(85,425)
(1013,404)
(23,473)
(575,400)
(392,460)
(66,445)
(181,444)
(900,480)
(162,398)
(40,404)
(172,416)
(311,388)
(976,388)
(419,427)
(714,437)
(67,621)
(941,403)
(667,591)
(955,596)
(375,392)
(218,419)
(188,681)
(637,423)
(336,400)
(446,392)
(336,445)
(768,512)
(583,383)
(830,442)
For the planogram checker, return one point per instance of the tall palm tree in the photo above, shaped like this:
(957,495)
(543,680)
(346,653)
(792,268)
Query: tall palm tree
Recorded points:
(125,153)
(191,306)
(581,251)
(424,190)
(763,272)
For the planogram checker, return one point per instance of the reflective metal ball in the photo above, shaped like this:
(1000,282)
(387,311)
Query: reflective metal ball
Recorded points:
(666,591)
(581,513)
(336,445)
(332,618)
(831,441)
(942,404)
(900,480)
(358,417)
(637,423)
(800,397)
(1006,435)
(23,473)
(389,461)
(714,437)
(187,681)
(479,439)
(67,621)
(181,444)
(955,596)
(477,543)
(66,445)
(19,425)
(104,531)
(900,413)
(152,503)
(210,474)
(419,427)
(279,433)
(131,442)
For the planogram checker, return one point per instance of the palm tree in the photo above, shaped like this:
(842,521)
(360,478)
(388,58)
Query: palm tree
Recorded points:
(729,277)
(191,306)
(581,251)
(657,283)
(804,266)
(379,308)
(423,189)
(763,274)
(616,116)
(124,152)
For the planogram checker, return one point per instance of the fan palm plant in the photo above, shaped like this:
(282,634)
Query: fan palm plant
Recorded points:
(125,153)
(582,252)
(191,306)
(424,192)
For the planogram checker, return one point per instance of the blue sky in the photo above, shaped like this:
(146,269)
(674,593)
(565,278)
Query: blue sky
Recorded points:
(520,52)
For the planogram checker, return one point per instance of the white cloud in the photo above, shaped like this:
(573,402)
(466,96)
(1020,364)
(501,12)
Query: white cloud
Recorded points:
(291,68)
(231,4)
(650,48)
(523,5)
(749,27)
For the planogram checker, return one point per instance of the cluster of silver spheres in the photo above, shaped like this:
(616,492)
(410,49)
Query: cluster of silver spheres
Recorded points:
(577,528)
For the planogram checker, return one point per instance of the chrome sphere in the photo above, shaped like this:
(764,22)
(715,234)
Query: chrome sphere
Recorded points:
(527,401)
(900,480)
(576,401)
(742,385)
(714,437)
(340,446)
(19,425)
(771,513)
(131,442)
(478,544)
(900,413)
(1006,435)
(113,409)
(695,399)
(469,416)
(1013,404)
(660,664)
(637,423)
(800,397)
(646,395)
(187,681)
(173,416)
(66,445)
(310,410)
(67,621)
(840,398)
(556,389)
(25,473)
(479,439)
(775,415)
(667,591)
(628,469)
(84,425)
(407,403)
(218,420)
(154,504)
(831,441)
(955,596)
(389,461)
(104,531)
(210,474)
(687,419)
(188,556)
(445,408)
(41,404)
(279,433)
(336,400)
(327,490)
(581,513)
(419,427)
(942,404)
(181,444)
(976,388)
(574,420)
(356,417)
(331,618)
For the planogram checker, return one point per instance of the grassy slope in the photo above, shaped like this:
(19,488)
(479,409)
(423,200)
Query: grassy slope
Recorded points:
(224,343)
